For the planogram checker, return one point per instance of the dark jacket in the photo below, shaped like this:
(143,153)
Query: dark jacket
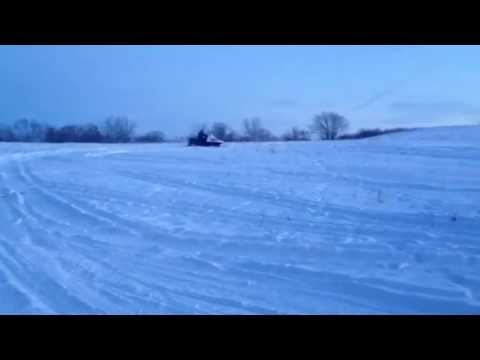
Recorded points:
(202,136)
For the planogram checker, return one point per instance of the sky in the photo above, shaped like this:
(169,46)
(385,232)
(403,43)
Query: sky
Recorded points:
(176,88)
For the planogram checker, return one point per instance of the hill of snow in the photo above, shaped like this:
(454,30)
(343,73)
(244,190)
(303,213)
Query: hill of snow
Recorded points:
(381,225)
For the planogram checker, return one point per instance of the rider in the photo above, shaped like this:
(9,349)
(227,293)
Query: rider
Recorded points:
(202,136)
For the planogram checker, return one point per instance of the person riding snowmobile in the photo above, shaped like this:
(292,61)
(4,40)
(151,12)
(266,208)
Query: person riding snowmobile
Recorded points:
(202,137)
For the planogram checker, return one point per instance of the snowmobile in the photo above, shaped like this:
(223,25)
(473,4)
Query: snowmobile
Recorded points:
(210,141)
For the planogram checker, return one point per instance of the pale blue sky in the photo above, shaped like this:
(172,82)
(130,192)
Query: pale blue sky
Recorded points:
(172,88)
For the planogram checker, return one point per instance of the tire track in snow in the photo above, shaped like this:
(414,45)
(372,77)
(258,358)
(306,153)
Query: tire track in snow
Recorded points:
(40,246)
(37,253)
(166,270)
(89,218)
(182,292)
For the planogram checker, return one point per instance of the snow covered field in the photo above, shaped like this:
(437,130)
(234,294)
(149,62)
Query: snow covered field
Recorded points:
(383,225)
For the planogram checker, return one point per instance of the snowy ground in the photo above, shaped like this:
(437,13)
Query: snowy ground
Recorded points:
(383,225)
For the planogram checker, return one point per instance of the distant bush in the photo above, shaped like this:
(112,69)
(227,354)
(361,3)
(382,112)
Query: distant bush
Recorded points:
(296,134)
(363,133)
(231,136)
(151,137)
(69,133)
(6,133)
(254,131)
(89,133)
(366,133)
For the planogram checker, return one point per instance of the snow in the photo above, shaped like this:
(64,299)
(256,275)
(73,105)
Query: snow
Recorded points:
(386,225)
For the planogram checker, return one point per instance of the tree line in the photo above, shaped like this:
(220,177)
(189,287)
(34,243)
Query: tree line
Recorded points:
(326,126)
(120,129)
(115,129)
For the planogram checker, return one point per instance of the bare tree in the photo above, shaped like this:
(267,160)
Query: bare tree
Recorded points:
(252,128)
(255,132)
(118,129)
(21,130)
(27,130)
(328,125)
